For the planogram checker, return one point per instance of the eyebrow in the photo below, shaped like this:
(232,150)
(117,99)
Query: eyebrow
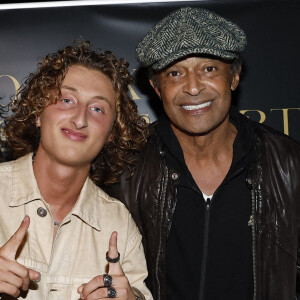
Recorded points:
(99,97)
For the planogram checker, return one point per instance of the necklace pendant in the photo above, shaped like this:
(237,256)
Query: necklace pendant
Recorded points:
(56,223)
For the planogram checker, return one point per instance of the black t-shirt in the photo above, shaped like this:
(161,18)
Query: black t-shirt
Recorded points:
(209,248)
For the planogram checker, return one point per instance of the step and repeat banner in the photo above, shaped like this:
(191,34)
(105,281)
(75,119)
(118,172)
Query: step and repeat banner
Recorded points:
(269,91)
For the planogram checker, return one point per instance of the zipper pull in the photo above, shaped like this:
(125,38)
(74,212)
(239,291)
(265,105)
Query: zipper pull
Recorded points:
(251,221)
(249,183)
(208,202)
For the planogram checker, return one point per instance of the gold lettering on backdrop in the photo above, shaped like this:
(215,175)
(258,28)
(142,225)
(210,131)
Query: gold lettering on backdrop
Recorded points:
(16,87)
(2,136)
(261,114)
(285,115)
(147,118)
(14,80)
(134,95)
(133,70)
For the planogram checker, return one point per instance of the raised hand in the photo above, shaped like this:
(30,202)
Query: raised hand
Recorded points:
(112,285)
(14,276)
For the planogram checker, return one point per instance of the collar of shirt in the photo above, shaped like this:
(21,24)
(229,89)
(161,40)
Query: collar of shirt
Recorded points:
(242,146)
(25,190)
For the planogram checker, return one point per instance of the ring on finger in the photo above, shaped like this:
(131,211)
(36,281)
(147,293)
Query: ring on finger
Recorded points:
(111,292)
(107,280)
(112,260)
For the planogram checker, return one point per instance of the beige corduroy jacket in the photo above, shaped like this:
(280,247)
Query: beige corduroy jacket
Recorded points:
(78,252)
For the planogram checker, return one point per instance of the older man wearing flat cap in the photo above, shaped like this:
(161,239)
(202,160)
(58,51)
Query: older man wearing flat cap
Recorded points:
(216,195)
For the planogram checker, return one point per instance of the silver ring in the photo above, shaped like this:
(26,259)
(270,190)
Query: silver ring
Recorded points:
(107,279)
(111,292)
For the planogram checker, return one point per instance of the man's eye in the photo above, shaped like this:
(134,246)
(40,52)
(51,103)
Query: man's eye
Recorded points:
(173,73)
(210,69)
(96,109)
(66,100)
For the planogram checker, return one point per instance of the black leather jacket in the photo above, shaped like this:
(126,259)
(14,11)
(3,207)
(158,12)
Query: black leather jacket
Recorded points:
(274,180)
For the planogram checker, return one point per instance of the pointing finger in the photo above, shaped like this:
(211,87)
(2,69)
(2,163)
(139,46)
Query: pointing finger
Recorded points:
(113,255)
(11,247)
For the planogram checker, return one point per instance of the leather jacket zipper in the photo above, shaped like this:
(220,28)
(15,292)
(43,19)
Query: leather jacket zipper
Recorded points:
(205,244)
(252,223)
(205,248)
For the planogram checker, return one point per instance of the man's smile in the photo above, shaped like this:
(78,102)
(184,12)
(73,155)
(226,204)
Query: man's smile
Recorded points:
(198,106)
(74,135)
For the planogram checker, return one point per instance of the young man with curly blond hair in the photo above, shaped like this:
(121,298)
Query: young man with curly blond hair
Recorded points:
(73,126)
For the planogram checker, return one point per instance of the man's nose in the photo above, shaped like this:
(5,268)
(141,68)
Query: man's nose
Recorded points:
(79,118)
(194,84)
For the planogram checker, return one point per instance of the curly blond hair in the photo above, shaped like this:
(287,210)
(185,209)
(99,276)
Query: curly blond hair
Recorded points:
(130,130)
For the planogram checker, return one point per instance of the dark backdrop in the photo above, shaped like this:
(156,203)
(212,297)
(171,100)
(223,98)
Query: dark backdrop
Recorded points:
(269,90)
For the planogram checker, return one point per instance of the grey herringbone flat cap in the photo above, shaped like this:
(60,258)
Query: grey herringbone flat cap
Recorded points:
(190,31)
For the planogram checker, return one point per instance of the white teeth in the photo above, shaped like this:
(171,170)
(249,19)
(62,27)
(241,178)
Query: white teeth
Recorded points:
(194,107)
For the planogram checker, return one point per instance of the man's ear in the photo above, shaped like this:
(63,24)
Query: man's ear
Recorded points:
(235,81)
(110,138)
(38,122)
(156,89)
(112,133)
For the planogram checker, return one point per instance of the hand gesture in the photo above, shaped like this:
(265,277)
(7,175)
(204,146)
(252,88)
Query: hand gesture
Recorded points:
(14,276)
(112,285)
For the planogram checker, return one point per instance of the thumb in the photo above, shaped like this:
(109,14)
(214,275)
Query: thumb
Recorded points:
(114,268)
(9,250)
